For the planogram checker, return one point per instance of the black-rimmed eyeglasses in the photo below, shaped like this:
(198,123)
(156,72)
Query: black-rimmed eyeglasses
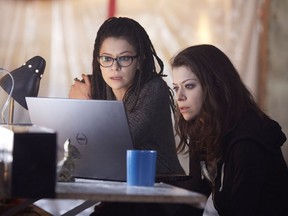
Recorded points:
(123,61)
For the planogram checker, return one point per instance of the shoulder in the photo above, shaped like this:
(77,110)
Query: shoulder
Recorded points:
(157,81)
(155,85)
(262,131)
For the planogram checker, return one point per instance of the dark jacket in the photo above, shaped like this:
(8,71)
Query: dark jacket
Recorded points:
(151,124)
(252,177)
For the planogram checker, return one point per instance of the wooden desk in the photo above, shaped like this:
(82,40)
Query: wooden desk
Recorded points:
(119,192)
(94,191)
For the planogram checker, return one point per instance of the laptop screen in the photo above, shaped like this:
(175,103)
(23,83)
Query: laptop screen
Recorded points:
(97,128)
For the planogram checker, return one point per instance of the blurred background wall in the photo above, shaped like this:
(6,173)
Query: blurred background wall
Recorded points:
(252,33)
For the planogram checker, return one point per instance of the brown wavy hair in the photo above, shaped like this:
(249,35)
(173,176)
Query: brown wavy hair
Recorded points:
(225,100)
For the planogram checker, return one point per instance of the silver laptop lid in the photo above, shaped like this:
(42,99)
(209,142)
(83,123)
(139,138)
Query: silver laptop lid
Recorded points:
(97,128)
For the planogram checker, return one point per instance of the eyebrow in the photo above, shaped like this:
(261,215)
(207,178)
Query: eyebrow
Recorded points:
(124,52)
(186,80)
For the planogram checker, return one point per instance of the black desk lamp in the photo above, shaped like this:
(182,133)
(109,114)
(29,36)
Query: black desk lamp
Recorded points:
(26,82)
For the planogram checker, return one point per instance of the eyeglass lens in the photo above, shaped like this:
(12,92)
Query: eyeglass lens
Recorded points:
(123,61)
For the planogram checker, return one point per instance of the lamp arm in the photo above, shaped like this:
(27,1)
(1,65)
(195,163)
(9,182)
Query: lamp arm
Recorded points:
(8,100)
(11,111)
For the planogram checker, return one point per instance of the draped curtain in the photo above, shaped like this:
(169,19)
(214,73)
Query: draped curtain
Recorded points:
(63,33)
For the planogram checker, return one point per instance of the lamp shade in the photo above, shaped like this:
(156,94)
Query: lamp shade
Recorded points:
(26,80)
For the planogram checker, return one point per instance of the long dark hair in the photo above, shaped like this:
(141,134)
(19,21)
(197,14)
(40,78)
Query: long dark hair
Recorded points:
(136,35)
(225,100)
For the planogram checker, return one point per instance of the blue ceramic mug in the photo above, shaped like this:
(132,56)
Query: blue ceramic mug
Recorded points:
(141,167)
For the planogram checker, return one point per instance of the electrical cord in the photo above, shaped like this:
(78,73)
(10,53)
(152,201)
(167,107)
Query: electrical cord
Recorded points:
(9,96)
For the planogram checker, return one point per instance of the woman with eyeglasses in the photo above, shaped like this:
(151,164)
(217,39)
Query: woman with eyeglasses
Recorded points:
(124,68)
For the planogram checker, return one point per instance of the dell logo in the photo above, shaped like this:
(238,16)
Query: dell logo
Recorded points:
(81,139)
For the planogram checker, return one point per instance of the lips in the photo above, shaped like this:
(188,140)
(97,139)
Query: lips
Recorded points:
(183,109)
(116,78)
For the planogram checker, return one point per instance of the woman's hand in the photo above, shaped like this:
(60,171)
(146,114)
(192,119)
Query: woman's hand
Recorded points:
(81,89)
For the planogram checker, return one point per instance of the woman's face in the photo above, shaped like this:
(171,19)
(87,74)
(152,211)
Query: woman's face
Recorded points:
(117,77)
(188,92)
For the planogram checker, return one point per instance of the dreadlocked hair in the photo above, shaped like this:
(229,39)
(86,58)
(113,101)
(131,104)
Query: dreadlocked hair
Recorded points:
(135,34)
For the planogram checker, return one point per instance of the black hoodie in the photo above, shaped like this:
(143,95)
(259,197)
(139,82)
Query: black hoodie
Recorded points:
(252,177)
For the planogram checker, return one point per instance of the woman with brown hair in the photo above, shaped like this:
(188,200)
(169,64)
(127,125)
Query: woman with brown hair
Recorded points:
(231,140)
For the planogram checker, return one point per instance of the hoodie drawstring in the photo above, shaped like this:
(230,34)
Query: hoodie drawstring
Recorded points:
(222,177)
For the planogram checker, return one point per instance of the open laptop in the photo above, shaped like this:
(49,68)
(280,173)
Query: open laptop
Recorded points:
(97,128)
